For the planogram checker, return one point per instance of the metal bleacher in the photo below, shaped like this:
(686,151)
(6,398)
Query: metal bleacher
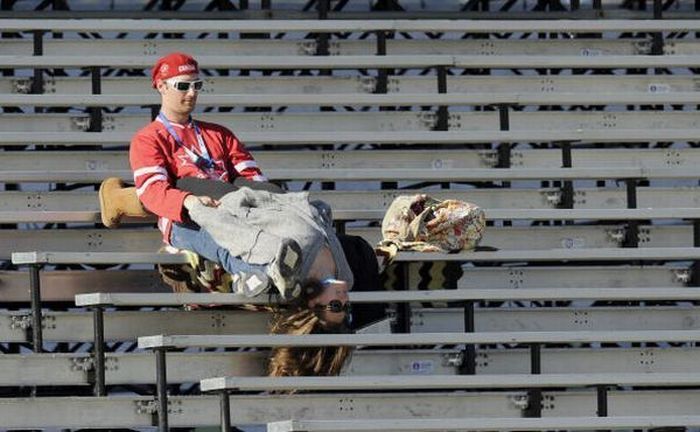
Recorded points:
(581,148)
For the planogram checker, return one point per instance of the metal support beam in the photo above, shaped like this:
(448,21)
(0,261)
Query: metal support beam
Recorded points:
(504,149)
(96,112)
(443,114)
(35,288)
(38,77)
(322,6)
(162,390)
(382,74)
(602,397)
(99,351)
(382,87)
(695,268)
(504,117)
(602,402)
(657,39)
(225,411)
(468,366)
(403,310)
(7,4)
(632,235)
(534,407)
(220,5)
(476,5)
(322,46)
(567,200)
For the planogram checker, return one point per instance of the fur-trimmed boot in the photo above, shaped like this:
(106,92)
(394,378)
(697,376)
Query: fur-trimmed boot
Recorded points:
(117,201)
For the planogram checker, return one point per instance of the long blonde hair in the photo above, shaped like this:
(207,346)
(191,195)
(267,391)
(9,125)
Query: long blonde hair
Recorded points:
(298,319)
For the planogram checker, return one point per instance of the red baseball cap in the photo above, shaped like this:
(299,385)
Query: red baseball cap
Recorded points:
(173,64)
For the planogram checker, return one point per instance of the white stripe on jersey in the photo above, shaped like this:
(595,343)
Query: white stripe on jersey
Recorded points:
(159,177)
(155,169)
(240,166)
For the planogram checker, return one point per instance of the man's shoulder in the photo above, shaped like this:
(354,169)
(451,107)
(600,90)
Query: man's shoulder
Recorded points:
(148,132)
(214,127)
(151,128)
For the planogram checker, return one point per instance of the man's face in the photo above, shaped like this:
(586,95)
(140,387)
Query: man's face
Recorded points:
(181,102)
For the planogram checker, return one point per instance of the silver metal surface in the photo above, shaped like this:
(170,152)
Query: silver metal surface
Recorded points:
(265,26)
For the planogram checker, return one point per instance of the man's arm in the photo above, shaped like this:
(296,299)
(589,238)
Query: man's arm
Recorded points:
(241,160)
(154,183)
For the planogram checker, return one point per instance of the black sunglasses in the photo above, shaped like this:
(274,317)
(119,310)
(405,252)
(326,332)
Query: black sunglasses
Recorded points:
(335,306)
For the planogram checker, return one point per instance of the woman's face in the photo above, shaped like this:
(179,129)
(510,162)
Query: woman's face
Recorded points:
(335,290)
(324,269)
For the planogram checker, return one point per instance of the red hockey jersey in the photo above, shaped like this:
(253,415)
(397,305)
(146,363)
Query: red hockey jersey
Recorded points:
(157,161)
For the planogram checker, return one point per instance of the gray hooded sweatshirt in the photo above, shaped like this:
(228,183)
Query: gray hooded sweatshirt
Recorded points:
(251,223)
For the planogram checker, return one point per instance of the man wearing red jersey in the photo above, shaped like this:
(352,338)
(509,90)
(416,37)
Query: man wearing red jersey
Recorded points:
(175,146)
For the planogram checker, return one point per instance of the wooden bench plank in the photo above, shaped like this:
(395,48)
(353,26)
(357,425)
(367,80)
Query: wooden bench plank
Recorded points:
(413,137)
(66,284)
(448,382)
(633,85)
(186,367)
(137,411)
(128,325)
(432,25)
(304,47)
(93,216)
(527,236)
(109,160)
(182,341)
(498,202)
(171,299)
(593,315)
(587,360)
(364,61)
(377,174)
(341,99)
(511,424)
(582,276)
(123,326)
(601,254)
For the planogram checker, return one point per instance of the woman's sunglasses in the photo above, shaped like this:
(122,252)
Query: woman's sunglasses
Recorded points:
(335,306)
(184,86)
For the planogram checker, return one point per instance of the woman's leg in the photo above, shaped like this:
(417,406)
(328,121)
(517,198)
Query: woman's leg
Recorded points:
(249,280)
(280,257)
(284,260)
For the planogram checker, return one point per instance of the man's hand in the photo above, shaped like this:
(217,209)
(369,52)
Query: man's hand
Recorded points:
(191,200)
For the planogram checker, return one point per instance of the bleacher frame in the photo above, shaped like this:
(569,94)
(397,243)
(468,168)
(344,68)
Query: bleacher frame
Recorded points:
(160,344)
(504,105)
